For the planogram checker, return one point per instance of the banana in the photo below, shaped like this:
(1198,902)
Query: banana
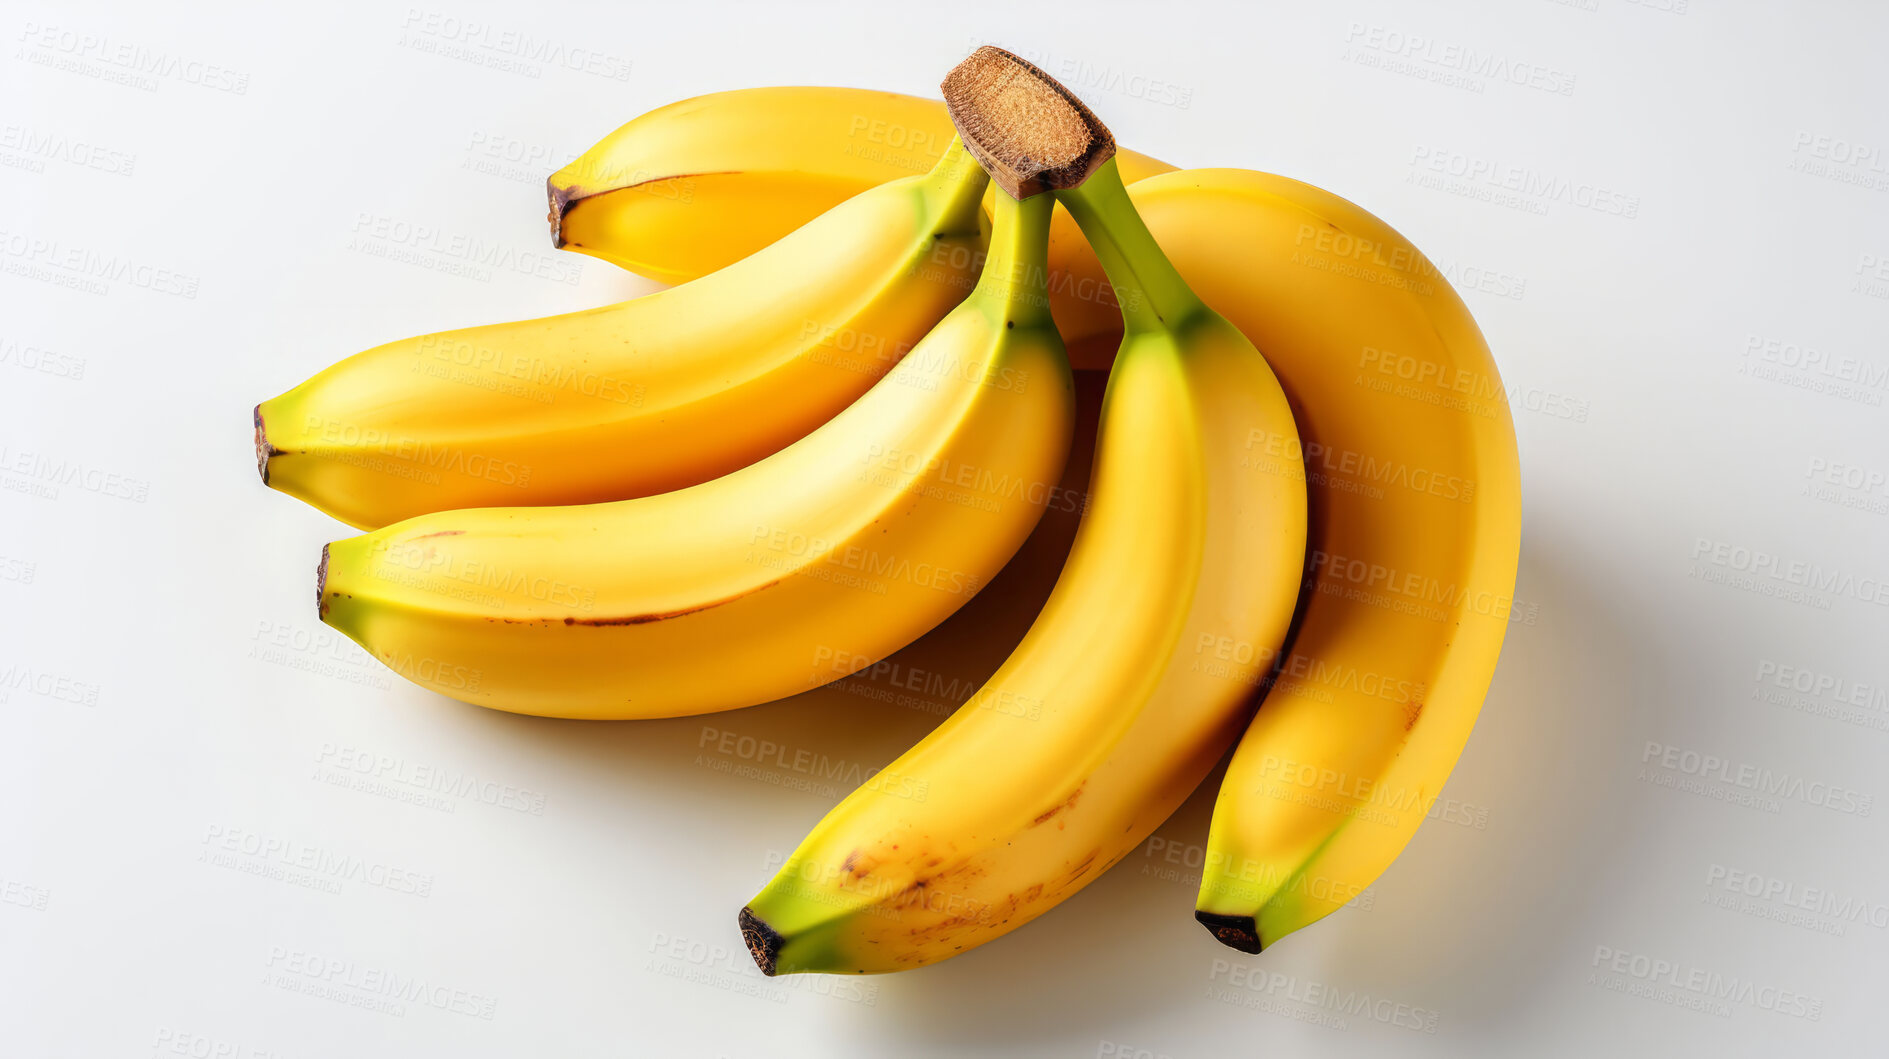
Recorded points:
(692,187)
(1103,719)
(1390,377)
(1415,535)
(783,575)
(642,397)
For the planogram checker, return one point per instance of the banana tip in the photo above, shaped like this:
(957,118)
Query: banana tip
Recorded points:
(321,584)
(560,200)
(764,942)
(263,449)
(1238,932)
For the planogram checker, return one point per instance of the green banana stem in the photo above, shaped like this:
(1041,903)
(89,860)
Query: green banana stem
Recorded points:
(958,182)
(1152,294)
(1016,269)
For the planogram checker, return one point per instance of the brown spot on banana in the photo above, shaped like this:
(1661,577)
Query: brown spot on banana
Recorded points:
(1067,803)
(642,619)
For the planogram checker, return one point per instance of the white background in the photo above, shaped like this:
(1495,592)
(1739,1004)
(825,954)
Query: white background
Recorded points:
(1665,418)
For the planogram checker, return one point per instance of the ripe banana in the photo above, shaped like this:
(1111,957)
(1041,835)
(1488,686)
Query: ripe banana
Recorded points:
(1415,534)
(692,187)
(847,544)
(1392,379)
(1103,719)
(642,397)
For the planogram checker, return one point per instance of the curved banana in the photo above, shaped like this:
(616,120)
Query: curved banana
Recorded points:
(846,545)
(1416,526)
(1103,719)
(641,397)
(692,187)
(1393,382)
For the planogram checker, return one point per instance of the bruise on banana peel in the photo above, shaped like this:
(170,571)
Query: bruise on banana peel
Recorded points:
(922,941)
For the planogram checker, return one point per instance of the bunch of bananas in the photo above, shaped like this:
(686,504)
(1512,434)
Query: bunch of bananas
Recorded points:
(850,413)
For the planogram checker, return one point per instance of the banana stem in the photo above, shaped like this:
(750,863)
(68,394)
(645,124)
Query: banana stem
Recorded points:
(1016,270)
(958,183)
(1152,294)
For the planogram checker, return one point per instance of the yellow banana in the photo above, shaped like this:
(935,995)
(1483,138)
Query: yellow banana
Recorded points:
(649,395)
(845,545)
(1102,720)
(1415,533)
(692,187)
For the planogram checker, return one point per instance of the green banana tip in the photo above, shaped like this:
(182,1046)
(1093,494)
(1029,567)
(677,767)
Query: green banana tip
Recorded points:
(764,942)
(1237,932)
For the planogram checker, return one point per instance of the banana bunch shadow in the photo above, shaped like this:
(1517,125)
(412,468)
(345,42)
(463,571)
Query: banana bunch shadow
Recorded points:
(1480,925)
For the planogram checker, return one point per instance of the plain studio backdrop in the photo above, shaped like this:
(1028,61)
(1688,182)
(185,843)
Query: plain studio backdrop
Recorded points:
(1665,836)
